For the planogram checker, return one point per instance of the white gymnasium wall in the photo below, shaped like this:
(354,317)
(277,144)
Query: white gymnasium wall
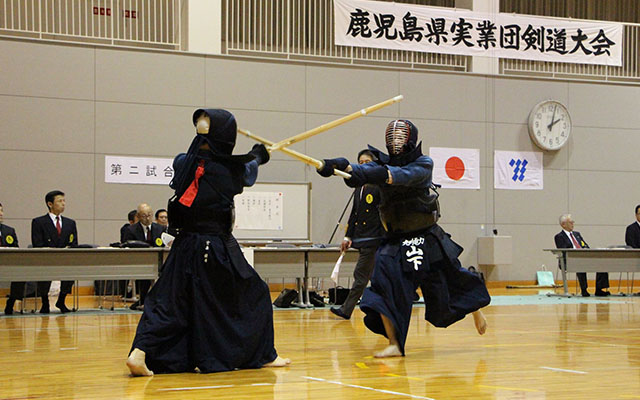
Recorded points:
(63,107)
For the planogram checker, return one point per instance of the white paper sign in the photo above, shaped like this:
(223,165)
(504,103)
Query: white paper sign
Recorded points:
(389,25)
(153,171)
(259,211)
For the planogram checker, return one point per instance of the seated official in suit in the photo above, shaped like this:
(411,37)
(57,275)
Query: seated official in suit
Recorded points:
(54,230)
(133,219)
(162,217)
(8,238)
(632,236)
(570,239)
(146,231)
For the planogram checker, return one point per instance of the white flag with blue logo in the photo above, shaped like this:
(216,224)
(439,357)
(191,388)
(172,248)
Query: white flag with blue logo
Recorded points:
(518,170)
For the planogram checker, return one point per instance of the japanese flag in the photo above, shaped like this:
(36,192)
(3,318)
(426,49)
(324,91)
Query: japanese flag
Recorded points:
(518,170)
(456,168)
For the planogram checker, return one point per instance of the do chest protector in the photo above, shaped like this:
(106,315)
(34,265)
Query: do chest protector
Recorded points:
(407,209)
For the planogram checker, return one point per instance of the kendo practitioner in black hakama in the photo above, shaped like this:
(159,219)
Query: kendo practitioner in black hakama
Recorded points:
(209,309)
(416,251)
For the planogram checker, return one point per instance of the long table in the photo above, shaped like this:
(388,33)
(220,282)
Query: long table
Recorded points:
(46,264)
(42,264)
(300,263)
(596,260)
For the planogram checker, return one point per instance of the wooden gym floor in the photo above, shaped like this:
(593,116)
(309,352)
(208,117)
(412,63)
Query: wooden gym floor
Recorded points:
(535,348)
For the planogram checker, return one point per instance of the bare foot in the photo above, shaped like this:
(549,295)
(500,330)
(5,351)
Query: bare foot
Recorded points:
(480,321)
(136,364)
(278,362)
(390,351)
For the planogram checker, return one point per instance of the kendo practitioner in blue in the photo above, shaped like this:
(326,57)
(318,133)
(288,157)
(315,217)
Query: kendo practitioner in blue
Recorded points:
(209,309)
(416,251)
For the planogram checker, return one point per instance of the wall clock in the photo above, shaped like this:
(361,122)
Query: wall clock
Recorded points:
(549,125)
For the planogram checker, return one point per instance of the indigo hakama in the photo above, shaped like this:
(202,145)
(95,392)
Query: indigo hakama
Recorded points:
(416,251)
(209,309)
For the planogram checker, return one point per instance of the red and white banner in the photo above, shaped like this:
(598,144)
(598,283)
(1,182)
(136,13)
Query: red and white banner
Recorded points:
(389,25)
(456,168)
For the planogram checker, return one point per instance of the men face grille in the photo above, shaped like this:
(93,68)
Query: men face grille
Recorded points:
(397,136)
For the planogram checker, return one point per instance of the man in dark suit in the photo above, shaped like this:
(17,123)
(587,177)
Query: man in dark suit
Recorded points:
(632,236)
(364,231)
(570,239)
(162,217)
(54,230)
(133,219)
(8,238)
(145,231)
(121,289)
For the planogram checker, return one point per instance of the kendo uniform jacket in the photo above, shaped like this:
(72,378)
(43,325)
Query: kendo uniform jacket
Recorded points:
(632,235)
(8,237)
(364,227)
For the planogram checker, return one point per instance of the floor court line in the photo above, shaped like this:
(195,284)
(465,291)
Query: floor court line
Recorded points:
(571,371)
(368,388)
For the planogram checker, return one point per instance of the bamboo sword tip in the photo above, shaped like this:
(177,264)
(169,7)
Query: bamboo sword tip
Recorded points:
(398,98)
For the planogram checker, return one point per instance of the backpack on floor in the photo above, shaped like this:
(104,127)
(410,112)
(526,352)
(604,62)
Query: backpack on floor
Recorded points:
(285,298)
(338,295)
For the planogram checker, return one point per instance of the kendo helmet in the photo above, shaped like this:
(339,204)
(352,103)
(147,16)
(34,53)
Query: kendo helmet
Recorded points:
(400,137)
(222,129)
